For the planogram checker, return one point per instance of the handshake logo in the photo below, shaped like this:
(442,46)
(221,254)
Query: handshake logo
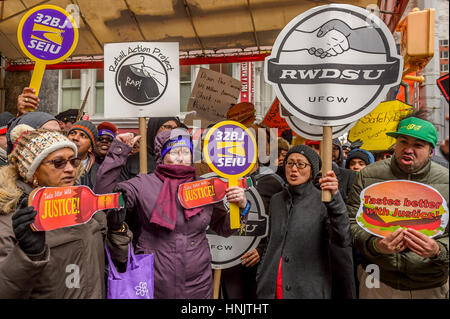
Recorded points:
(332,63)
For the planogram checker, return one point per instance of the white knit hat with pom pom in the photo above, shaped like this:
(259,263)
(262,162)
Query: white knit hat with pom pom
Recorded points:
(32,146)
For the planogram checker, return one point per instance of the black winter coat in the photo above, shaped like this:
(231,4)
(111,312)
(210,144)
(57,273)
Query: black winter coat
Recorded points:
(301,230)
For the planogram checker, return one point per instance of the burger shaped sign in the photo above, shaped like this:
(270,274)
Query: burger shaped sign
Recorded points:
(390,205)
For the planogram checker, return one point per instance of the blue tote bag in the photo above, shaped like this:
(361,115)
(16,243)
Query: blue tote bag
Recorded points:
(136,282)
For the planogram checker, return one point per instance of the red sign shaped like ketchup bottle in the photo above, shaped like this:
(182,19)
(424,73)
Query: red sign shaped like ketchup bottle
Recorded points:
(206,191)
(59,207)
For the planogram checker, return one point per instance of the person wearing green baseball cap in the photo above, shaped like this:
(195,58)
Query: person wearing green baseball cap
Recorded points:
(417,128)
(411,264)
(416,140)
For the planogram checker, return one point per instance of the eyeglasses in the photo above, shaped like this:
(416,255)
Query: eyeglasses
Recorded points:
(182,151)
(60,163)
(169,127)
(299,165)
(107,139)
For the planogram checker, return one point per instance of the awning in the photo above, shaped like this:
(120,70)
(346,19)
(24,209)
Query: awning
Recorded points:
(202,27)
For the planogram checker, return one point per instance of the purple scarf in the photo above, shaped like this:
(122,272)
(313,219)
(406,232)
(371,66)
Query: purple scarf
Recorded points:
(165,211)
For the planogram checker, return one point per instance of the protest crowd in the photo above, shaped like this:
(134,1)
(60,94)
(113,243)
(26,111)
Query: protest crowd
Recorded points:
(312,250)
(216,200)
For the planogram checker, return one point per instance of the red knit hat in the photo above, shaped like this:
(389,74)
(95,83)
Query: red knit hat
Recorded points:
(311,142)
(107,126)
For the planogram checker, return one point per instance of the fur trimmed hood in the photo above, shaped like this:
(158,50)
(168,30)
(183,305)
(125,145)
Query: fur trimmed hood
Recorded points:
(9,192)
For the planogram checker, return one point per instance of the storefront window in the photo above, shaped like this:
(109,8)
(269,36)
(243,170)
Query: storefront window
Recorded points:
(225,68)
(99,93)
(185,86)
(71,82)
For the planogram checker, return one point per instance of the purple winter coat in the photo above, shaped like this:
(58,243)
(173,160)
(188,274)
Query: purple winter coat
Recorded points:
(182,258)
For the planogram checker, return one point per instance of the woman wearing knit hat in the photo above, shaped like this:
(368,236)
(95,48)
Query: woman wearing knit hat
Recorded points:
(34,119)
(176,236)
(296,263)
(358,158)
(62,263)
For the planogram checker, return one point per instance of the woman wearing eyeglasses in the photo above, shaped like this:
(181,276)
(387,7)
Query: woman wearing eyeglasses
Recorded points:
(62,263)
(296,262)
(176,236)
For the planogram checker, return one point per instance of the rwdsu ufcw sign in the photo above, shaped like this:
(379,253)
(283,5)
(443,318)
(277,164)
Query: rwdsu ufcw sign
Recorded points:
(333,64)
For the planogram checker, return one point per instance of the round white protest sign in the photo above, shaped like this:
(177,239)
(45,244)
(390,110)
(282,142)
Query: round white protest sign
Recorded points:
(315,132)
(333,64)
(226,252)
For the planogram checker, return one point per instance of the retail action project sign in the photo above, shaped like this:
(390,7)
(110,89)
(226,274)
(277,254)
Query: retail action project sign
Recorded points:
(333,64)
(142,79)
(387,206)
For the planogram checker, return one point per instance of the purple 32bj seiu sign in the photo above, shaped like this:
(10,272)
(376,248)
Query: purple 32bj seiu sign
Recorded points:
(48,34)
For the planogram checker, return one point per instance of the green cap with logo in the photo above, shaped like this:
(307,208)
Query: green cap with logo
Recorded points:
(417,128)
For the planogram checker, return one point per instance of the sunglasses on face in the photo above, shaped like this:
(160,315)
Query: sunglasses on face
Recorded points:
(299,165)
(106,139)
(60,163)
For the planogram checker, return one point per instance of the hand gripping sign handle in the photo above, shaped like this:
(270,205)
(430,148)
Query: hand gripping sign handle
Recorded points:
(235,221)
(327,156)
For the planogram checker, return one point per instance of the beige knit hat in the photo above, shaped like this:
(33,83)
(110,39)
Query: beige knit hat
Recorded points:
(32,146)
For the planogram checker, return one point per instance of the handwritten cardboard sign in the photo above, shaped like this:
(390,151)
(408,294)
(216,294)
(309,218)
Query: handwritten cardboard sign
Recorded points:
(372,128)
(206,191)
(59,207)
(390,205)
(212,96)
(47,34)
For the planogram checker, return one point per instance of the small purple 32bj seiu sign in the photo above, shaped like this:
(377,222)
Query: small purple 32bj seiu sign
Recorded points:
(48,34)
(231,150)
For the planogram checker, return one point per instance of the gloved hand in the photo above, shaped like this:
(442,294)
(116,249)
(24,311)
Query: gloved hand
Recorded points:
(116,217)
(31,242)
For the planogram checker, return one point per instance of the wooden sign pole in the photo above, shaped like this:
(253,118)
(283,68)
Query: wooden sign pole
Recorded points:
(142,146)
(327,157)
(216,279)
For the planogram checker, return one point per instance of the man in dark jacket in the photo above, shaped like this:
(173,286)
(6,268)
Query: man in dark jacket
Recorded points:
(345,176)
(66,119)
(84,134)
(411,265)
